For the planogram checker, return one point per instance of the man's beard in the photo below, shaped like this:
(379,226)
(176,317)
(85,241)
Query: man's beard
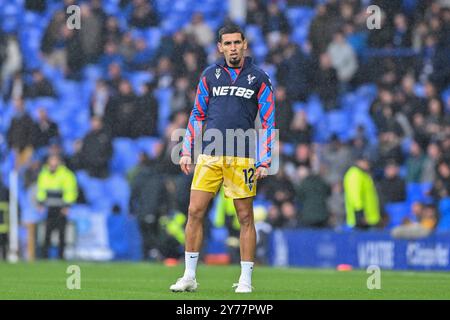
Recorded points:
(235,61)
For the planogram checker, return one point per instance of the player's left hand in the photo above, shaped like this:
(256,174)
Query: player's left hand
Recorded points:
(261,173)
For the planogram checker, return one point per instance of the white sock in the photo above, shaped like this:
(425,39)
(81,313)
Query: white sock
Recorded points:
(190,260)
(246,272)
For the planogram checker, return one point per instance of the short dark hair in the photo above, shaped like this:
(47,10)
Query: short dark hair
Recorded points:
(230,28)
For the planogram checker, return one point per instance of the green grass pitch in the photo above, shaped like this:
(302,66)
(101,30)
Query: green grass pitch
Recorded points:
(47,280)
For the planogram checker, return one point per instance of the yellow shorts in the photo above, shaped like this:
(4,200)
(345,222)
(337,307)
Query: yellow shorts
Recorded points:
(237,175)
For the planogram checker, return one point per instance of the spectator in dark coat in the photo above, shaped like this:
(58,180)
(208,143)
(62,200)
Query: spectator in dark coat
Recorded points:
(300,130)
(53,36)
(321,30)
(326,82)
(147,122)
(389,148)
(75,56)
(95,151)
(441,186)
(143,15)
(256,13)
(336,158)
(122,112)
(47,130)
(313,193)
(275,21)
(36,5)
(392,188)
(39,87)
(90,34)
(279,189)
(285,113)
(382,37)
(114,78)
(148,196)
(294,72)
(21,133)
(401,32)
(415,163)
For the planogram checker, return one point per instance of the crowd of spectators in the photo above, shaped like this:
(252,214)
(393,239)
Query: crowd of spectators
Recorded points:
(339,56)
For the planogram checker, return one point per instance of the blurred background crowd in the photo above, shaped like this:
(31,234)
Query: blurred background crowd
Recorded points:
(363,114)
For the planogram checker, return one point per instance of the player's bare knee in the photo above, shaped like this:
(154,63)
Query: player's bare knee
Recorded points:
(246,219)
(196,214)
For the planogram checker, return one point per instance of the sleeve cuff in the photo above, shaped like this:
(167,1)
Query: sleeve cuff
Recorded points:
(263,164)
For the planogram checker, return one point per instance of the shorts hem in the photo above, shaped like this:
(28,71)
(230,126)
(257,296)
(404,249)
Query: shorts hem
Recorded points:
(205,190)
(239,196)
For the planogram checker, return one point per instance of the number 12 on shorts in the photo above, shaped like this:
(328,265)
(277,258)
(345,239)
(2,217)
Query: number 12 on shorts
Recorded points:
(248,174)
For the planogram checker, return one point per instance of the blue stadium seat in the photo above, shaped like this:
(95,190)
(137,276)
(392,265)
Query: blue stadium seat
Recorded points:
(111,7)
(163,96)
(254,33)
(337,121)
(68,146)
(163,7)
(260,51)
(138,79)
(153,37)
(299,106)
(96,194)
(5,119)
(321,132)
(147,145)
(348,102)
(418,192)
(50,104)
(298,15)
(300,34)
(67,89)
(363,119)
(207,8)
(397,211)
(82,178)
(368,90)
(61,115)
(51,73)
(446,99)
(409,6)
(118,191)
(419,90)
(288,149)
(169,26)
(82,124)
(214,22)
(181,6)
(444,212)
(92,72)
(314,110)
(125,155)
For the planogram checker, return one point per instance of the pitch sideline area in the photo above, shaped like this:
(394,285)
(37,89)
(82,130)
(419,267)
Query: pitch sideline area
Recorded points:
(145,281)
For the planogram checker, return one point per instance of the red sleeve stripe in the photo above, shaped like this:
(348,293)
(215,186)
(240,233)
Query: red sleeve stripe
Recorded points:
(261,90)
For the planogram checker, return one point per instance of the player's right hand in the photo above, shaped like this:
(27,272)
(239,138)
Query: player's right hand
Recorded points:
(185,164)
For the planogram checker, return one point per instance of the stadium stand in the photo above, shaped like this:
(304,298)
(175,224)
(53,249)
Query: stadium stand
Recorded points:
(74,60)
